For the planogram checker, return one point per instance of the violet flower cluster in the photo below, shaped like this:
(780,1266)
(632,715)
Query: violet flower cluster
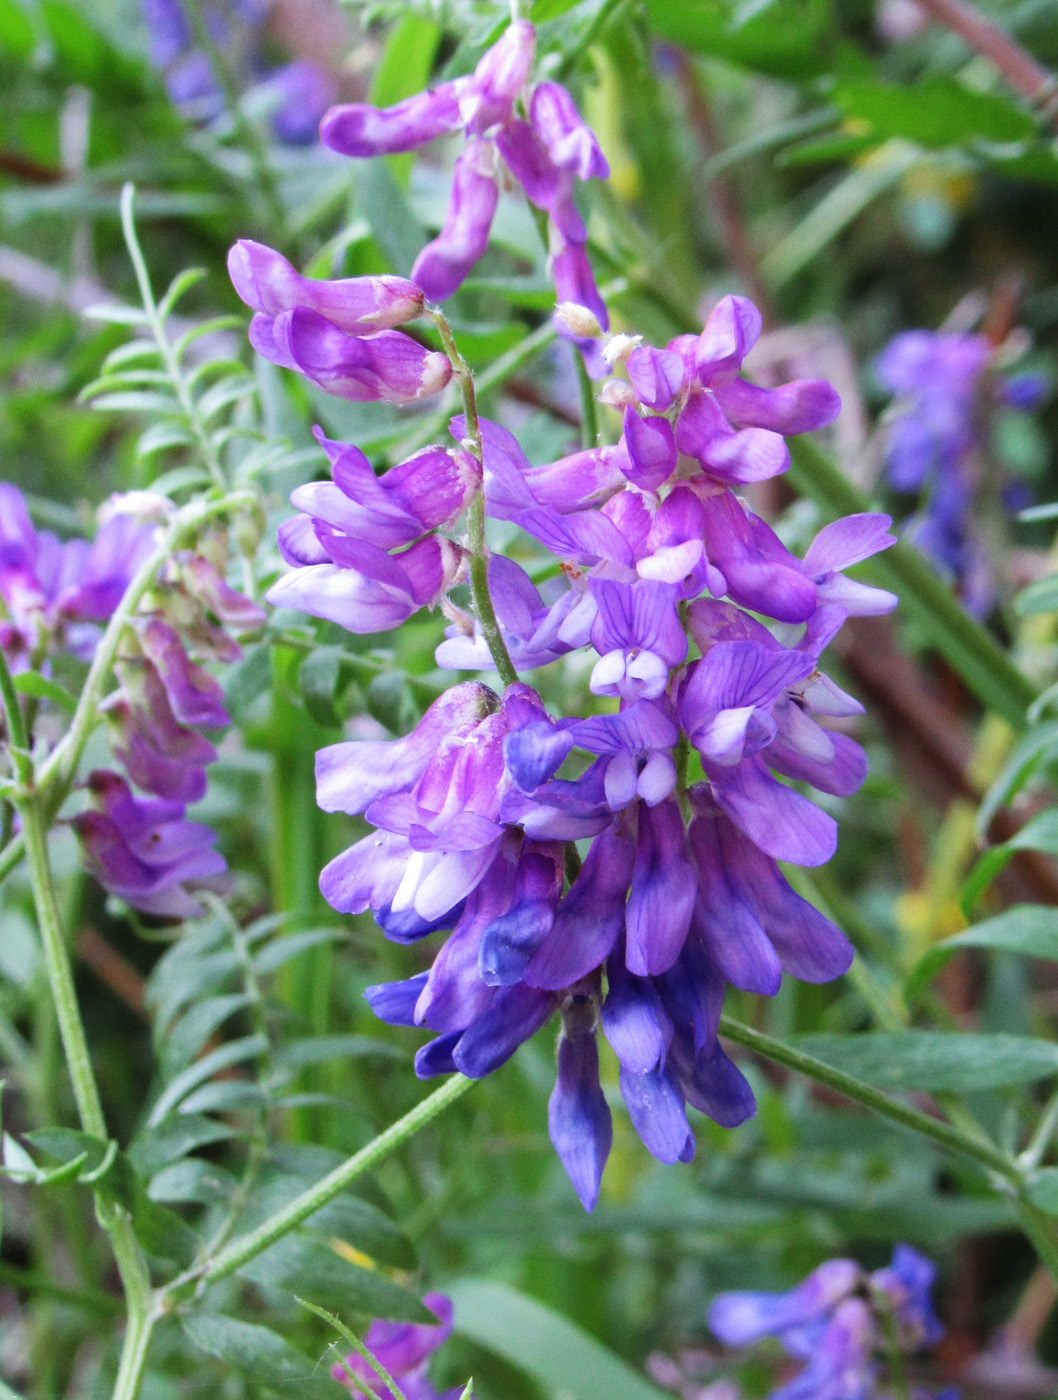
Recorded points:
(136,837)
(620,868)
(301,91)
(851,1328)
(403,1349)
(533,131)
(939,441)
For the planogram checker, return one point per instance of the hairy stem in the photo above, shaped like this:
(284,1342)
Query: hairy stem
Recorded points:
(479,565)
(246,1247)
(954,1139)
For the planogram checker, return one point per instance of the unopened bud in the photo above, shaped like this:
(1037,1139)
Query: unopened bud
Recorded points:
(615,393)
(148,506)
(618,348)
(579,319)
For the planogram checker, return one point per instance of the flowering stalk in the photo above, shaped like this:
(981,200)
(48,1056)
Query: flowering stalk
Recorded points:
(478,563)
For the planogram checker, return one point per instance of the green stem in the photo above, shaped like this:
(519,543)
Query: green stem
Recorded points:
(248,1246)
(589,411)
(1033,1155)
(954,1139)
(203,441)
(479,566)
(132,1267)
(18,740)
(388,1383)
(1040,1229)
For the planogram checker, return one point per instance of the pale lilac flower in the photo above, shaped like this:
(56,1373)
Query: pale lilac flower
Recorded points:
(144,850)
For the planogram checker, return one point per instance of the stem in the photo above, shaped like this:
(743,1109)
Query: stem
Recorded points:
(60,974)
(1033,1155)
(388,1383)
(141,1309)
(954,1139)
(172,364)
(1018,66)
(248,1246)
(1040,1229)
(479,567)
(589,412)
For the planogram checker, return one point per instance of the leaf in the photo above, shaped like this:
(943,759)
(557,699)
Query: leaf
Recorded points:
(393,225)
(191,1179)
(235,1052)
(176,980)
(404,69)
(181,283)
(1039,597)
(132,350)
(262,1355)
(226,391)
(161,1232)
(902,1061)
(318,1049)
(116,314)
(319,679)
(159,437)
(154,1148)
(1038,746)
(937,112)
(795,39)
(301,1264)
(1039,834)
(41,688)
(1029,929)
(249,681)
(138,401)
(108,1169)
(188,1035)
(291,945)
(561,1356)
(224,1096)
(1043,1190)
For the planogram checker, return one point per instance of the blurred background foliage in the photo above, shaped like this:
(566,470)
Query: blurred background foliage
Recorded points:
(857,171)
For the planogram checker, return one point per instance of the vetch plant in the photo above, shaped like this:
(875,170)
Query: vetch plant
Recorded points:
(581,750)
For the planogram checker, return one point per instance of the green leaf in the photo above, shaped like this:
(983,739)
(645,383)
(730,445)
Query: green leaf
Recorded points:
(1039,597)
(263,1356)
(41,688)
(362,1225)
(235,1052)
(794,39)
(291,945)
(188,1035)
(393,225)
(1029,929)
(249,682)
(224,1096)
(1039,834)
(320,678)
(1043,1190)
(301,1264)
(154,1148)
(191,1179)
(1038,747)
(319,1049)
(138,401)
(159,437)
(562,1357)
(181,283)
(935,113)
(108,1169)
(404,69)
(116,314)
(902,1061)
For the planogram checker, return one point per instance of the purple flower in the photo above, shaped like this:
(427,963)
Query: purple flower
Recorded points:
(545,153)
(144,850)
(47,584)
(840,1321)
(387,365)
(341,546)
(403,1349)
(160,754)
(304,91)
(356,305)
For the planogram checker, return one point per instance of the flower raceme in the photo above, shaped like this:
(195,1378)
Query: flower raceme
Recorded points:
(847,1325)
(55,594)
(680,893)
(533,130)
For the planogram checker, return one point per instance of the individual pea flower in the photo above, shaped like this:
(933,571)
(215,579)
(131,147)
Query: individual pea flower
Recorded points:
(949,395)
(363,551)
(50,587)
(403,1349)
(144,850)
(546,150)
(849,1327)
